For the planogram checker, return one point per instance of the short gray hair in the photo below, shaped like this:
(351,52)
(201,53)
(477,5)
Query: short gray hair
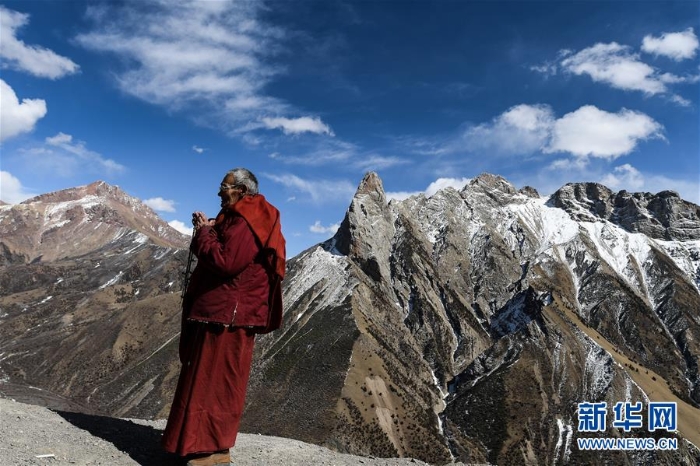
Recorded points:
(245,177)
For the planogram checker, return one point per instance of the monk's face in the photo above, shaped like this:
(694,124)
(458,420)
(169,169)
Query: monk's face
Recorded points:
(230,192)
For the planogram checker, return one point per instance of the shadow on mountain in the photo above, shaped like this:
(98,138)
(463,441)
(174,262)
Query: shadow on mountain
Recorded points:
(141,443)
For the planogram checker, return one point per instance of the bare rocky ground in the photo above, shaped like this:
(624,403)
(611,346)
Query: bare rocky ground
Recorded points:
(33,435)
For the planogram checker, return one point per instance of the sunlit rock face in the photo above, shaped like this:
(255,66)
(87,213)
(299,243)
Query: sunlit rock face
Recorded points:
(469,324)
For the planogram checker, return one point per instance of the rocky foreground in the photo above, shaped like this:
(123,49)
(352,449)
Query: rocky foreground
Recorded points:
(33,435)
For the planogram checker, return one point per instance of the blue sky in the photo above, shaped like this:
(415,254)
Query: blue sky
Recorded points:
(163,97)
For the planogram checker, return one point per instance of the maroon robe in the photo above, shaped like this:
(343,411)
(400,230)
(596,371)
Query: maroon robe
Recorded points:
(210,395)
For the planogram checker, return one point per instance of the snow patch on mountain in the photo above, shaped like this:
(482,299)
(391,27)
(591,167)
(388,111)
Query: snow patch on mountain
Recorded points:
(563,440)
(320,266)
(618,247)
(112,281)
(686,254)
(598,371)
(552,225)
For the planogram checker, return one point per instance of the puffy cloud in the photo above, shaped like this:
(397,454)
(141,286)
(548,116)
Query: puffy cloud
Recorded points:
(624,177)
(181,227)
(442,183)
(198,150)
(32,59)
(18,117)
(590,131)
(616,65)
(318,228)
(629,178)
(522,129)
(435,186)
(159,204)
(298,125)
(11,189)
(620,67)
(675,45)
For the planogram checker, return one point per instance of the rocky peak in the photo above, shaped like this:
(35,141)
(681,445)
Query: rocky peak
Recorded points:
(367,229)
(56,224)
(371,185)
(529,191)
(583,201)
(490,182)
(661,216)
(491,190)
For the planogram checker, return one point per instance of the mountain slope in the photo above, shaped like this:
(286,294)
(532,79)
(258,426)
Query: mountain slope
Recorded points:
(452,326)
(89,302)
(464,326)
(70,222)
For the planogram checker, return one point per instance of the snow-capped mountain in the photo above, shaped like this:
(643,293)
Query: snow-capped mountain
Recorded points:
(90,281)
(463,326)
(73,221)
(468,325)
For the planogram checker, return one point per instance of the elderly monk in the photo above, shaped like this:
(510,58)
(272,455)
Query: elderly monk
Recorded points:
(233,294)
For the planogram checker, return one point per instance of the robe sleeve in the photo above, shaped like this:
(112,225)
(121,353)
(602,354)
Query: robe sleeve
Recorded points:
(226,253)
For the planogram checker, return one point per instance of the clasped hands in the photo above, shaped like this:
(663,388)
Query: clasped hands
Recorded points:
(199,220)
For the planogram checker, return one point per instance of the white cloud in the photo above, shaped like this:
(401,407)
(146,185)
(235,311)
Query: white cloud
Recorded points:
(159,204)
(62,156)
(585,132)
(616,65)
(522,129)
(18,117)
(318,190)
(624,177)
(630,179)
(11,189)
(442,183)
(181,227)
(209,58)
(568,164)
(435,186)
(318,228)
(590,131)
(681,101)
(298,125)
(32,59)
(675,45)
(198,150)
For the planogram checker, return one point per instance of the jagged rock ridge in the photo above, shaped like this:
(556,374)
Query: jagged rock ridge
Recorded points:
(467,325)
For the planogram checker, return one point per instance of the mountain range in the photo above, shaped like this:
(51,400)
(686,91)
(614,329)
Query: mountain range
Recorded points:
(464,326)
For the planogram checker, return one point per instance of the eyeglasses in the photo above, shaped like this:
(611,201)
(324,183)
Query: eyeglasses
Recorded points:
(226,187)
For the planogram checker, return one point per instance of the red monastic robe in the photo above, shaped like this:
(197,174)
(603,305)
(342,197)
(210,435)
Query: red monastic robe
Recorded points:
(210,395)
